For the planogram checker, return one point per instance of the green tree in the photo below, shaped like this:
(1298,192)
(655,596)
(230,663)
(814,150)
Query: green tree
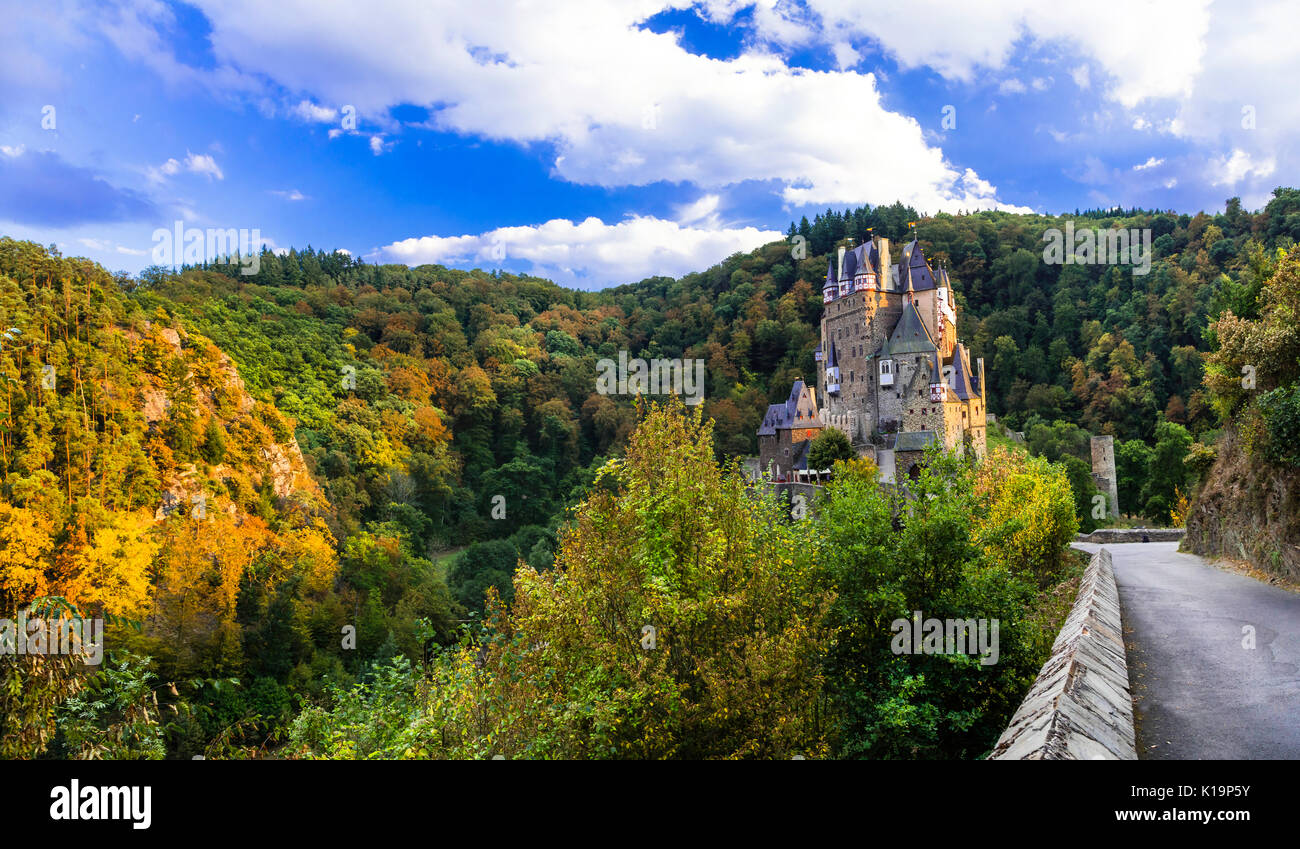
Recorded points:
(1166,471)
(829,447)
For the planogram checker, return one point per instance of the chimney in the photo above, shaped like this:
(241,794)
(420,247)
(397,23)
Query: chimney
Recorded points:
(882,249)
(984,393)
(839,269)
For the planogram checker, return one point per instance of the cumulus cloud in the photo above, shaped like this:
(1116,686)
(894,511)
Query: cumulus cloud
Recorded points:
(1231,170)
(958,40)
(195,163)
(583,77)
(589,253)
(289,194)
(308,111)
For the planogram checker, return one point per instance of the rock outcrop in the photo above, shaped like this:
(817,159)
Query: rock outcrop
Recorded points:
(1247,510)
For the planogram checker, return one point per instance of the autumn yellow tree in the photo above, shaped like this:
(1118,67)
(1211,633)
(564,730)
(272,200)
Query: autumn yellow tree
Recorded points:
(113,573)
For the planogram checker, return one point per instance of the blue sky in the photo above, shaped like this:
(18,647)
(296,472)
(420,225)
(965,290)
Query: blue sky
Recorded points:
(597,143)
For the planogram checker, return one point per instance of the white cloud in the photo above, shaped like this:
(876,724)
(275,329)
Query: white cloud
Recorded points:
(195,163)
(1011,85)
(704,210)
(378,145)
(289,194)
(588,253)
(13,151)
(845,56)
(1151,162)
(107,246)
(1231,170)
(202,163)
(1212,72)
(309,111)
(580,76)
(961,39)
(1249,70)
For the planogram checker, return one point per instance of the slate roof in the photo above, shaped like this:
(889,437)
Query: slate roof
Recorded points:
(785,416)
(850,264)
(961,379)
(910,335)
(830,274)
(914,271)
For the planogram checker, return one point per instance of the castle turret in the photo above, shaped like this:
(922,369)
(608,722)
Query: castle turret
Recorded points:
(832,371)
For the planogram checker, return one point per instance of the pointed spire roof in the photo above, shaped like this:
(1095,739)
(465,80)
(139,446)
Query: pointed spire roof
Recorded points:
(850,264)
(961,380)
(915,269)
(910,335)
(830,273)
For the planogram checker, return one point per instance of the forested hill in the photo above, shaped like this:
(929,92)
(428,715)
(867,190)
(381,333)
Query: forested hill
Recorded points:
(341,426)
(468,385)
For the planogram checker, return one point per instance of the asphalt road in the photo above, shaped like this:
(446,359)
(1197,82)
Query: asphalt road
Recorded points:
(1198,690)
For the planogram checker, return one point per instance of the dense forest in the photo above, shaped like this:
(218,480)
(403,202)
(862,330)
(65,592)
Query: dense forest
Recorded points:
(333,491)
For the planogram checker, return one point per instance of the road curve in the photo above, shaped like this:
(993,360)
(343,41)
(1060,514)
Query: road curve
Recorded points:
(1199,691)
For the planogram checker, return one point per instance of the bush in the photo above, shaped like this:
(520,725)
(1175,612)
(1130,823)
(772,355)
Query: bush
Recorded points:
(1280,409)
(830,447)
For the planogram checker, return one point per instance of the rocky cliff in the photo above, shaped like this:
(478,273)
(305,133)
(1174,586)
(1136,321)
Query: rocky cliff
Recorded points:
(1247,510)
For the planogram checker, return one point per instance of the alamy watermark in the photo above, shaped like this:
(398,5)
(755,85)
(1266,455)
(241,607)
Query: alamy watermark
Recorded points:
(191,246)
(651,377)
(56,635)
(946,636)
(1093,246)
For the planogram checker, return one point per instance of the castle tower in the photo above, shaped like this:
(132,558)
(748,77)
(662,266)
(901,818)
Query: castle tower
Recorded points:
(1103,471)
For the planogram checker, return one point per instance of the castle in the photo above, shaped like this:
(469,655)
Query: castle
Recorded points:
(891,374)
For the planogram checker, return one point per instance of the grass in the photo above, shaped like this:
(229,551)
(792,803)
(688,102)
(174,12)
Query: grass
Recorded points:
(442,561)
